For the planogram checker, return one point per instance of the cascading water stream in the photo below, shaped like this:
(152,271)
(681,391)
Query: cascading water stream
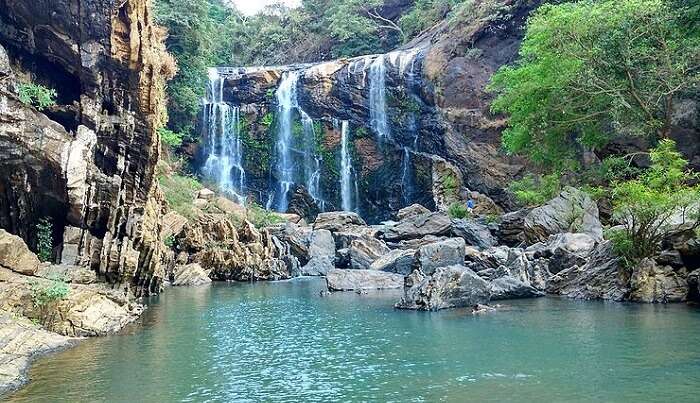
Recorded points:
(377,99)
(224,146)
(348,192)
(312,161)
(286,103)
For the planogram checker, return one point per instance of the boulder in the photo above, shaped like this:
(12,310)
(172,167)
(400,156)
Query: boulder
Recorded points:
(345,236)
(572,211)
(296,236)
(416,243)
(440,254)
(563,250)
(418,226)
(503,261)
(70,251)
(190,275)
(508,287)
(321,244)
(15,256)
(448,287)
(473,233)
(68,273)
(206,194)
(337,220)
(230,207)
(694,286)
(303,204)
(363,252)
(600,278)
(318,266)
(510,228)
(397,261)
(652,283)
(411,211)
(173,224)
(348,280)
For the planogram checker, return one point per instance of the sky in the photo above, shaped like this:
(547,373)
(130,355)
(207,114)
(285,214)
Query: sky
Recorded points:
(250,7)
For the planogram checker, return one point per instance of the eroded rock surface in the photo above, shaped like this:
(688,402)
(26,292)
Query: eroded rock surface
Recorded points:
(349,280)
(447,287)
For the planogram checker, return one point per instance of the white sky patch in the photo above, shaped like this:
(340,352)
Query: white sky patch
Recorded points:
(250,7)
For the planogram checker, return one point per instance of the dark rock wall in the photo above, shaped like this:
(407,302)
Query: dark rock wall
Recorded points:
(107,62)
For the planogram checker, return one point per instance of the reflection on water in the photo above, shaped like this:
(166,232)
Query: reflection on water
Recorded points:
(283,342)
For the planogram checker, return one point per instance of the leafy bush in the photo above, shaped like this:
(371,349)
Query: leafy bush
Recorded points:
(169,241)
(458,210)
(648,205)
(449,184)
(267,119)
(261,217)
(170,138)
(425,14)
(533,191)
(179,192)
(37,95)
(588,66)
(45,294)
(44,239)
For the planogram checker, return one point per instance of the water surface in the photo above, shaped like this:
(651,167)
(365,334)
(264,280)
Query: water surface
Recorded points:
(283,342)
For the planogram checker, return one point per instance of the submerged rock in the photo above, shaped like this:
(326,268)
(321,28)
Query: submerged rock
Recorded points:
(447,287)
(349,280)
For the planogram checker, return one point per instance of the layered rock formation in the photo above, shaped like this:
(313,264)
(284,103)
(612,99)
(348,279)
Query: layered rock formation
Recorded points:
(87,163)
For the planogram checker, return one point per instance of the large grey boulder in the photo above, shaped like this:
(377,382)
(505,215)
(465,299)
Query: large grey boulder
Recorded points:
(346,235)
(572,211)
(503,261)
(600,278)
(296,236)
(418,226)
(337,220)
(510,228)
(449,252)
(473,233)
(564,250)
(363,252)
(413,210)
(190,275)
(448,287)
(397,261)
(508,287)
(321,244)
(318,266)
(653,283)
(348,280)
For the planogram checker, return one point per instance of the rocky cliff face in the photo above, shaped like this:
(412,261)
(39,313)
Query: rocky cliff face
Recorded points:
(438,140)
(87,163)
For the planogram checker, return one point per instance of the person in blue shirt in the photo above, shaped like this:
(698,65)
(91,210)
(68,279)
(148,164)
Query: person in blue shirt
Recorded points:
(470,205)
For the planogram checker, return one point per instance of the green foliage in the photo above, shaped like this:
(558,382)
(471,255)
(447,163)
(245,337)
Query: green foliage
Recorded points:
(425,14)
(647,205)
(180,191)
(170,138)
(458,210)
(493,219)
(535,190)
(268,119)
(45,294)
(589,69)
(169,241)
(261,217)
(37,95)
(44,239)
(449,184)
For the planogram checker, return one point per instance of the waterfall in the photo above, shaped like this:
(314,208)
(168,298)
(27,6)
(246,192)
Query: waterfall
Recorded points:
(347,190)
(312,161)
(224,146)
(377,99)
(286,103)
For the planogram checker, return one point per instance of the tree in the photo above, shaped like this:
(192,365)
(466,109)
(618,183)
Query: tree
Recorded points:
(590,69)
(656,203)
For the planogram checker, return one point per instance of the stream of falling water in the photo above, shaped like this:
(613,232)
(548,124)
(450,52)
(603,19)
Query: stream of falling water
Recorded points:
(377,99)
(347,190)
(312,161)
(286,102)
(224,146)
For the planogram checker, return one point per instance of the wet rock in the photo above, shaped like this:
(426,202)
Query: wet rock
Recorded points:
(363,252)
(337,220)
(349,280)
(318,266)
(600,278)
(571,211)
(419,226)
(473,233)
(447,287)
(397,261)
(653,283)
(190,275)
(15,256)
(440,254)
(508,287)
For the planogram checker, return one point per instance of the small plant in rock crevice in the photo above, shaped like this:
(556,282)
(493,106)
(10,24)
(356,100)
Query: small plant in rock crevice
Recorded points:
(458,211)
(37,95)
(44,239)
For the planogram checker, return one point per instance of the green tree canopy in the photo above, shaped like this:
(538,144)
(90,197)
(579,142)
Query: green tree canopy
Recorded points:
(592,69)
